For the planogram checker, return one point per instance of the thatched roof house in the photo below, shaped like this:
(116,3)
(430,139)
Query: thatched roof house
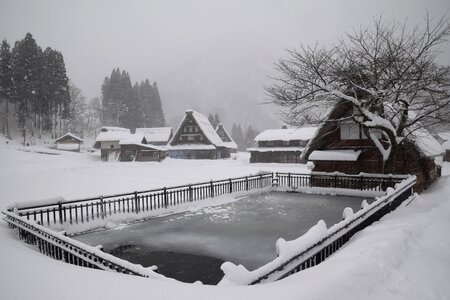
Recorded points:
(341,145)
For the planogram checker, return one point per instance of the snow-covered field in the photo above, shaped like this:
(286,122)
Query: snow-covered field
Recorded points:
(404,256)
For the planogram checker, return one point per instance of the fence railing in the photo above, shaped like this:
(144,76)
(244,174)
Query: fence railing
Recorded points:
(85,210)
(363,181)
(321,242)
(61,247)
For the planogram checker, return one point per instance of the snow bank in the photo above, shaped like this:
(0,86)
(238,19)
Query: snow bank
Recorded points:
(289,134)
(337,155)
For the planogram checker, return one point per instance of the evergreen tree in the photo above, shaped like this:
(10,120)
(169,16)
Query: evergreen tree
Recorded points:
(157,118)
(6,83)
(238,136)
(214,120)
(26,75)
(250,135)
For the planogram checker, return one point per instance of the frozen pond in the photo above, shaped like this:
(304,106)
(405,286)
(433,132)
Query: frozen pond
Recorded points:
(243,232)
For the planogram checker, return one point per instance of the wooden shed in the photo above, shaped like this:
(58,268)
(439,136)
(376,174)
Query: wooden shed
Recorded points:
(69,142)
(284,145)
(136,148)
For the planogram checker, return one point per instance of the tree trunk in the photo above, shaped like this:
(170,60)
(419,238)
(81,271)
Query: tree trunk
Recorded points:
(389,164)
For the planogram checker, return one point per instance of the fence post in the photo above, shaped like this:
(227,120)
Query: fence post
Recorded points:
(260,181)
(335,181)
(102,206)
(136,202)
(246,183)
(361,182)
(211,186)
(289,179)
(231,185)
(165,197)
(60,213)
(190,193)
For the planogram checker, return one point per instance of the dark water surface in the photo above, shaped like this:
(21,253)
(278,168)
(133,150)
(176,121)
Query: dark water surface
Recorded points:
(191,246)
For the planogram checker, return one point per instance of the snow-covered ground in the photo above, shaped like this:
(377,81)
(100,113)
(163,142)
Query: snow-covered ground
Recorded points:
(404,256)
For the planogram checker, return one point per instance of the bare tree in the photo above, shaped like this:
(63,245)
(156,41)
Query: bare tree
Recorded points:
(387,72)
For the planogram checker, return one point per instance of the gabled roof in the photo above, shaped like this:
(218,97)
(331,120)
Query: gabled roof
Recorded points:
(112,136)
(133,139)
(69,135)
(204,125)
(288,134)
(229,144)
(156,134)
(425,142)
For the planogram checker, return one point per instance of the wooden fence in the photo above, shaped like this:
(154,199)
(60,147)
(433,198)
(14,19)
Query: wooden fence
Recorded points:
(61,247)
(86,210)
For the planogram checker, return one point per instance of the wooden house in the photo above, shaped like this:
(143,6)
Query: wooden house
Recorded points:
(342,146)
(108,141)
(197,139)
(158,136)
(69,142)
(226,138)
(284,145)
(135,148)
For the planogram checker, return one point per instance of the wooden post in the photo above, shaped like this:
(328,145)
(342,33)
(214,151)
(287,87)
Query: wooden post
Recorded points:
(136,208)
(211,187)
(260,181)
(289,179)
(102,207)
(190,193)
(246,183)
(335,181)
(60,213)
(165,197)
(231,185)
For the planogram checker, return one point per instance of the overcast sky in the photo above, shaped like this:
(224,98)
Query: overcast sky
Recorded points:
(151,39)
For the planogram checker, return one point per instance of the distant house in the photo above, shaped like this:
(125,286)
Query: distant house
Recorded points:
(135,148)
(69,142)
(342,146)
(226,138)
(197,139)
(108,141)
(284,145)
(158,136)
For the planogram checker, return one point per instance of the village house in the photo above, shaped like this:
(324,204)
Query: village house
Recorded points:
(157,136)
(226,138)
(108,142)
(197,139)
(69,142)
(134,147)
(284,145)
(343,146)
(446,148)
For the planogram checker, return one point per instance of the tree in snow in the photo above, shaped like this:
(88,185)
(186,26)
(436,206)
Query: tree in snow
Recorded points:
(6,84)
(214,120)
(387,72)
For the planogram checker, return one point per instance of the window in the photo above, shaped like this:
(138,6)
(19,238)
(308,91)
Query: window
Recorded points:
(350,131)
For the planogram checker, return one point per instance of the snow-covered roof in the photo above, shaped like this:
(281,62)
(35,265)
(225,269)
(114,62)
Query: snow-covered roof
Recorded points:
(444,135)
(111,128)
(426,143)
(108,136)
(132,139)
(276,149)
(69,135)
(289,134)
(156,134)
(205,127)
(335,155)
(229,145)
(191,147)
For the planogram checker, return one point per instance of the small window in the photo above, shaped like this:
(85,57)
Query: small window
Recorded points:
(112,146)
(350,131)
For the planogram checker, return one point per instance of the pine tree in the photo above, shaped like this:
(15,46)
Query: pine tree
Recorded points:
(26,75)
(157,119)
(238,136)
(6,83)
(250,135)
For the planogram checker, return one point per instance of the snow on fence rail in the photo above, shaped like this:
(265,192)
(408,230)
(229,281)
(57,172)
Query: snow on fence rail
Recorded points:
(58,211)
(61,247)
(319,242)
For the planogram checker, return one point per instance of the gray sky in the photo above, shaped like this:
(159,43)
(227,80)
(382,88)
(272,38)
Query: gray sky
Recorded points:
(158,39)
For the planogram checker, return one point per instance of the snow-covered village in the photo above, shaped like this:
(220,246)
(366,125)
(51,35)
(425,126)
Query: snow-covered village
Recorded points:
(208,149)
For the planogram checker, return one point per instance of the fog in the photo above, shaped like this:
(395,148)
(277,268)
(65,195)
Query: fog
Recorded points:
(212,56)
